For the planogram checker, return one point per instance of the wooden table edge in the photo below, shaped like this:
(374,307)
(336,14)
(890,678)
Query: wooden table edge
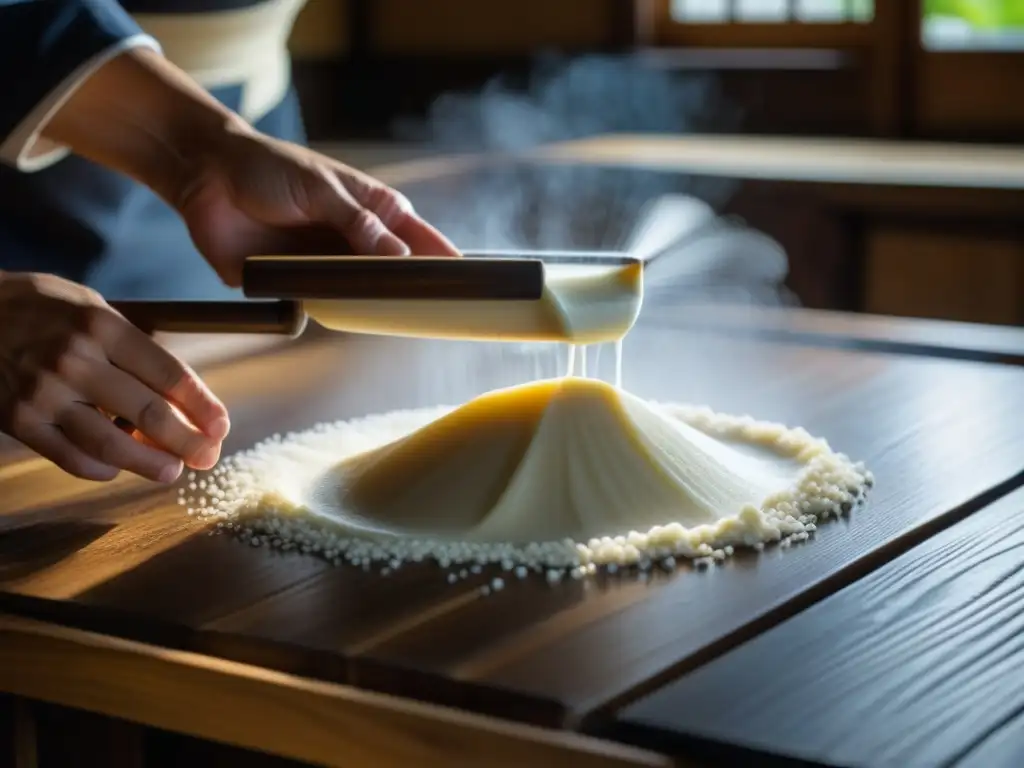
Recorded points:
(282,714)
(915,337)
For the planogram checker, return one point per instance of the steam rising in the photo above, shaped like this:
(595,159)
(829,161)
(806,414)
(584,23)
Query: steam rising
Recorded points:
(668,217)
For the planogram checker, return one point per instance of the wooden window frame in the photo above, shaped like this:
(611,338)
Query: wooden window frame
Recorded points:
(881,47)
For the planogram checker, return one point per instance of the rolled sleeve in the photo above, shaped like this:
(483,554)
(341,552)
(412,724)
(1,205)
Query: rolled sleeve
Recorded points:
(48,48)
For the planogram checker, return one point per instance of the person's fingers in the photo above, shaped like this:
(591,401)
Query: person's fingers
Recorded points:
(139,355)
(333,204)
(136,435)
(120,394)
(422,238)
(129,429)
(99,438)
(397,214)
(51,443)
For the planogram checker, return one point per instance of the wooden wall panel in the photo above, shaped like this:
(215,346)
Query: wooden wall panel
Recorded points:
(970,95)
(475,27)
(321,30)
(952,276)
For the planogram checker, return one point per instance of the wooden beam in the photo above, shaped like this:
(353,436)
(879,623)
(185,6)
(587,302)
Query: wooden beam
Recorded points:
(787,158)
(896,25)
(644,13)
(627,23)
(285,715)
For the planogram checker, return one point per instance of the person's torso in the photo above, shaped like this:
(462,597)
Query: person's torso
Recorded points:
(226,43)
(88,224)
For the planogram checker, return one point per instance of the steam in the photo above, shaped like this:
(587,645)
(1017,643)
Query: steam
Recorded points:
(695,255)
(668,218)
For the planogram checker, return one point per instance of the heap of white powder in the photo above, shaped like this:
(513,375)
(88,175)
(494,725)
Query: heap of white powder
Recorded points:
(260,495)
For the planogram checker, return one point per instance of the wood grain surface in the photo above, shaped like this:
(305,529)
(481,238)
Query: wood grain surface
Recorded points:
(920,664)
(123,558)
(283,715)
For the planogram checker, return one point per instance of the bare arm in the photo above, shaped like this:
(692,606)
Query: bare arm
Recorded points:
(141,115)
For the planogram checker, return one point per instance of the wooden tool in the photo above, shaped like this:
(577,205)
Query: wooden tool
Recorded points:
(281,283)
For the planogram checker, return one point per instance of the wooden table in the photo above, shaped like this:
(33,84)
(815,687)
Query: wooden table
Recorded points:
(116,603)
(920,663)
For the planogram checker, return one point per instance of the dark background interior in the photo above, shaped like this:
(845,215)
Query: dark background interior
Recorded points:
(363,65)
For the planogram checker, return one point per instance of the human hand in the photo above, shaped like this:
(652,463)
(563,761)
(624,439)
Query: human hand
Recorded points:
(69,362)
(260,196)
(240,192)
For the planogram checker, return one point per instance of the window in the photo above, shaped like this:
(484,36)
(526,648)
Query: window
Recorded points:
(768,11)
(972,25)
(764,23)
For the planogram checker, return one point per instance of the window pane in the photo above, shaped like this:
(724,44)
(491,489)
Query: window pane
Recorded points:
(700,10)
(762,10)
(976,25)
(821,10)
(862,10)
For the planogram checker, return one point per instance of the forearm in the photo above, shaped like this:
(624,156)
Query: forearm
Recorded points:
(141,115)
(47,48)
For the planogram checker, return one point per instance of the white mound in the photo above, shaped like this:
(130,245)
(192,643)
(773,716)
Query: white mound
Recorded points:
(565,473)
(569,457)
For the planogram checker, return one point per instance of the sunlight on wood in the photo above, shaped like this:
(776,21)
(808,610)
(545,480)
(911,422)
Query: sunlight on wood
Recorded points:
(114,553)
(35,483)
(298,718)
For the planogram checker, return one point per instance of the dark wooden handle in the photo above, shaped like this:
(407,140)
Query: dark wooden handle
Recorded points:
(357,277)
(273,317)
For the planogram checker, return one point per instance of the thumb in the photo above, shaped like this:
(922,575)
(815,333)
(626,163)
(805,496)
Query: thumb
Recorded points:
(332,204)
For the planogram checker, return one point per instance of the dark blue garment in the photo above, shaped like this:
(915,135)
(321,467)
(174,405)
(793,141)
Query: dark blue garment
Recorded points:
(42,42)
(75,218)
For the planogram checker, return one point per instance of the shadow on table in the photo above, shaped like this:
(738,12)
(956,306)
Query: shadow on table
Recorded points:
(42,544)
